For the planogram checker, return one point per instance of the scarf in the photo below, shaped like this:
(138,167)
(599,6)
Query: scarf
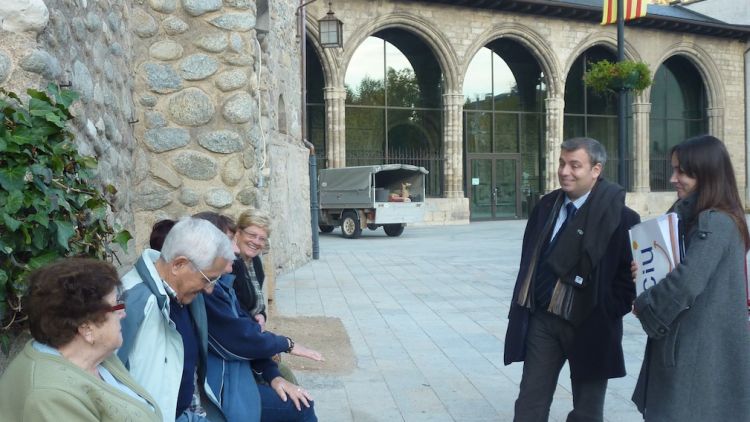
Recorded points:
(579,249)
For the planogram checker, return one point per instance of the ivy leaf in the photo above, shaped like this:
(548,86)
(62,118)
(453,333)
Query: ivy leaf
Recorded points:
(40,238)
(65,231)
(3,278)
(41,218)
(42,260)
(38,95)
(14,202)
(11,223)
(122,238)
(11,179)
(88,162)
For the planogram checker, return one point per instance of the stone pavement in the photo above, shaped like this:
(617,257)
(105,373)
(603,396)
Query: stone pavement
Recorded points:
(426,315)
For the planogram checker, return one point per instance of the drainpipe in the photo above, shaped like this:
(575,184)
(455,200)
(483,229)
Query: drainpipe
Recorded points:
(314,208)
(747,126)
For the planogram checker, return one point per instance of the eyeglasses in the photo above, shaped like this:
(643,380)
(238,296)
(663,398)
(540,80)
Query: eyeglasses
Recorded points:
(254,236)
(119,306)
(210,282)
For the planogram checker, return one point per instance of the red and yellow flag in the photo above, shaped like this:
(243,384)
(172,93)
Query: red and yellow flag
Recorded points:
(634,9)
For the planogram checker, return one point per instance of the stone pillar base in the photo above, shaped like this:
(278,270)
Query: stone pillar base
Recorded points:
(650,204)
(444,211)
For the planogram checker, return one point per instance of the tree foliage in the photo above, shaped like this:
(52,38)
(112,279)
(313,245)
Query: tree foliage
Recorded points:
(48,206)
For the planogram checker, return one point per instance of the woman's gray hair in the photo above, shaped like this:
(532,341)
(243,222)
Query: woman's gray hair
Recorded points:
(596,152)
(197,240)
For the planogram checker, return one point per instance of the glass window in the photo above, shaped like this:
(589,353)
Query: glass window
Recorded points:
(394,105)
(594,115)
(678,112)
(504,91)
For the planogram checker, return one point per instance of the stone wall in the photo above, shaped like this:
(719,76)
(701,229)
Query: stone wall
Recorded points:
(87,46)
(218,111)
(189,105)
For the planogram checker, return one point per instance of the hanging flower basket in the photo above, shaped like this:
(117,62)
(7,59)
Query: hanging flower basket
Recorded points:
(605,77)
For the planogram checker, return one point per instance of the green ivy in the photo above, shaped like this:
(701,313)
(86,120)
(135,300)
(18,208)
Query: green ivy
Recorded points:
(605,77)
(48,206)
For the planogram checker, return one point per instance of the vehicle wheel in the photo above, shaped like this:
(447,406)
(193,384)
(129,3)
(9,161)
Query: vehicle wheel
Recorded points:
(325,228)
(372,226)
(350,228)
(394,230)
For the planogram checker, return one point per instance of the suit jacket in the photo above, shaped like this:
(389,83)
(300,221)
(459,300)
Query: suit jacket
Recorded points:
(597,347)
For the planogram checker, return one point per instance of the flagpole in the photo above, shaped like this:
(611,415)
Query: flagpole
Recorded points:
(622,174)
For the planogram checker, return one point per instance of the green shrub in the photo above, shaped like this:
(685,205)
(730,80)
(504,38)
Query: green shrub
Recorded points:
(49,207)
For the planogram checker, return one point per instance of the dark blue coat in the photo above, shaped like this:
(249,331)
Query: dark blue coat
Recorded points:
(597,348)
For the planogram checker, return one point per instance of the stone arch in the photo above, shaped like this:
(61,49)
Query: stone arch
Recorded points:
(705,66)
(603,39)
(282,122)
(431,36)
(538,46)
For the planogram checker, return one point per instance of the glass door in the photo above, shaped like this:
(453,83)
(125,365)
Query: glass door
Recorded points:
(494,185)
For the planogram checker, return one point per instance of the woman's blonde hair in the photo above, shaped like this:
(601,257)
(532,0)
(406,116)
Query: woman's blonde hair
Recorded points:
(254,217)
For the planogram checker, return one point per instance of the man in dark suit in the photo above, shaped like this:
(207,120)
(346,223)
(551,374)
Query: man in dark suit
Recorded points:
(573,287)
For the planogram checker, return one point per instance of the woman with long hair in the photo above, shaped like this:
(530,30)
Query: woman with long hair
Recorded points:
(697,361)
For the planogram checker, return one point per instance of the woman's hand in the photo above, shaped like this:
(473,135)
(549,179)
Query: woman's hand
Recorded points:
(302,351)
(634,270)
(262,321)
(286,389)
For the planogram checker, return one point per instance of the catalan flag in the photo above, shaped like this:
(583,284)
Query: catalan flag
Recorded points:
(634,9)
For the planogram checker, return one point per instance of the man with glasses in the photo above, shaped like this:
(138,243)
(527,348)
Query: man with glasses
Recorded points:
(164,333)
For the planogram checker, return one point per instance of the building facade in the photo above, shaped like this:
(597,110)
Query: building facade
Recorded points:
(483,93)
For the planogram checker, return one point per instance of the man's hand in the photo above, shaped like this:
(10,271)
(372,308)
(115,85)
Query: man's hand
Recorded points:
(262,321)
(634,270)
(302,351)
(286,389)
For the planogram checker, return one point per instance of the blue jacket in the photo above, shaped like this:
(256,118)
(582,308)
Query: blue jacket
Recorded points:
(237,347)
(151,346)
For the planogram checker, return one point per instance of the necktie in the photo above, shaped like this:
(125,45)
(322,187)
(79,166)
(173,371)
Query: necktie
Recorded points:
(570,210)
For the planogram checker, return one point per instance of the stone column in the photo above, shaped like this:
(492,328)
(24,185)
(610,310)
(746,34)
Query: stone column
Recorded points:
(453,107)
(555,107)
(335,98)
(641,146)
(716,121)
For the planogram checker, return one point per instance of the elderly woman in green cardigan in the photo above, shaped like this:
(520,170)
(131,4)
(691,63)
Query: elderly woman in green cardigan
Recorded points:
(69,372)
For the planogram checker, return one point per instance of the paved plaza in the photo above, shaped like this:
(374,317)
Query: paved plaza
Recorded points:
(426,315)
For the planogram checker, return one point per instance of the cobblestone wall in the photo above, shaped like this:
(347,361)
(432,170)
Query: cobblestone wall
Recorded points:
(88,47)
(213,126)
(190,105)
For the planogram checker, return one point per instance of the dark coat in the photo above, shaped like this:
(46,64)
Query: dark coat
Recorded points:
(243,286)
(597,348)
(697,361)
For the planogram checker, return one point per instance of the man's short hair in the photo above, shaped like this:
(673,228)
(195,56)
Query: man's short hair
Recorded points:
(596,152)
(197,240)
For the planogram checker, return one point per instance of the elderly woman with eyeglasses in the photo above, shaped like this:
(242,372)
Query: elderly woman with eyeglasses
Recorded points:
(253,229)
(69,371)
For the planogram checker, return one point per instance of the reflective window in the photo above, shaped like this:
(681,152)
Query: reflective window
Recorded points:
(595,115)
(394,105)
(678,112)
(504,91)
(316,110)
